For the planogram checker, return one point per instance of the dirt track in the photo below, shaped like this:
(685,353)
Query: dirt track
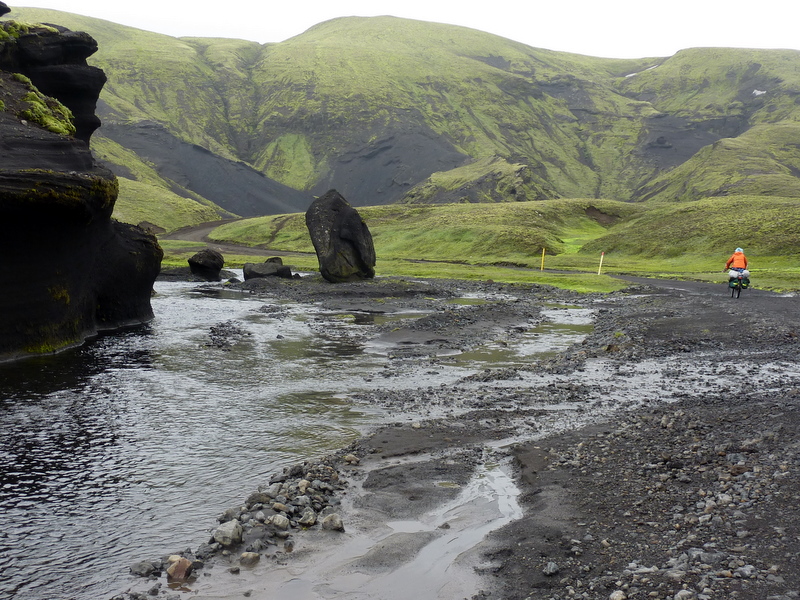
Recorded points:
(657,459)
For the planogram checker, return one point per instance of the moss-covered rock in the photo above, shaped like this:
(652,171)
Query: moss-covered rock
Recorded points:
(75,270)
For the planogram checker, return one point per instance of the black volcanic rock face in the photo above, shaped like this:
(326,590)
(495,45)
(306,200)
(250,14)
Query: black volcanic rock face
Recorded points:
(55,61)
(69,270)
(4,9)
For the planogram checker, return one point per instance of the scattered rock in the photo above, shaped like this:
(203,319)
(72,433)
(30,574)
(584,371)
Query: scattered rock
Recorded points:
(333,522)
(229,533)
(280,522)
(351,459)
(249,559)
(207,264)
(550,569)
(179,569)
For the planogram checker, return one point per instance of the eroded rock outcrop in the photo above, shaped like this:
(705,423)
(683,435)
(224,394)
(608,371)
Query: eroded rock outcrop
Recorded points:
(341,239)
(69,269)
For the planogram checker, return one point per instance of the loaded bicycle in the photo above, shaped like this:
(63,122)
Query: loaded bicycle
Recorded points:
(738,280)
(738,276)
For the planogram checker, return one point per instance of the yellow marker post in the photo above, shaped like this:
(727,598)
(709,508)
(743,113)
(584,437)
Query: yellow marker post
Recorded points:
(542,269)
(600,268)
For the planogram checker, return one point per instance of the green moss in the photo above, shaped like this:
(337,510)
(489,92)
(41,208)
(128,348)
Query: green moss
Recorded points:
(53,338)
(60,294)
(12,29)
(48,113)
(22,79)
(290,160)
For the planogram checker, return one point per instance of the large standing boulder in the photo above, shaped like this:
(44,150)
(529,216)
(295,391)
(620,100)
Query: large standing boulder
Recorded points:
(75,271)
(341,239)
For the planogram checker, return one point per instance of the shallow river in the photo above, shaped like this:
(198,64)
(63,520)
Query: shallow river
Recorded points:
(128,447)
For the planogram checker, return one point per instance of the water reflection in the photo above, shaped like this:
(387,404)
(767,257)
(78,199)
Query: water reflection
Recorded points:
(128,447)
(562,328)
(39,376)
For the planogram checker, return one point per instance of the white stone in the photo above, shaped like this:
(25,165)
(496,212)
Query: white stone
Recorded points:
(333,522)
(280,522)
(228,533)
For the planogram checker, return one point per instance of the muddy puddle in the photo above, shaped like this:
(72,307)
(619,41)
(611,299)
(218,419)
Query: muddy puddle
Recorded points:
(562,327)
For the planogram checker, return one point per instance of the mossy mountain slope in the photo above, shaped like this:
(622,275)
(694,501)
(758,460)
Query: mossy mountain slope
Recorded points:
(386,110)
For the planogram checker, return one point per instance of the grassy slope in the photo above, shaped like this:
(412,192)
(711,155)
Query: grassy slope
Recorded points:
(159,78)
(765,226)
(472,241)
(690,239)
(537,123)
(146,196)
(746,96)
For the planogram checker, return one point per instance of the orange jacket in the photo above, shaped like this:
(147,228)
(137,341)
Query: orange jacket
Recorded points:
(737,261)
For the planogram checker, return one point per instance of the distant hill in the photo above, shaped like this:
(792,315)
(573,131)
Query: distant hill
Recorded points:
(393,110)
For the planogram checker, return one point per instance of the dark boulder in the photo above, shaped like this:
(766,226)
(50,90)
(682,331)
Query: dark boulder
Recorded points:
(207,264)
(341,239)
(75,271)
(270,268)
(4,9)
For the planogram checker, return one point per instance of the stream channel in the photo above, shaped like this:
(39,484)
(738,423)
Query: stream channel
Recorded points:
(129,446)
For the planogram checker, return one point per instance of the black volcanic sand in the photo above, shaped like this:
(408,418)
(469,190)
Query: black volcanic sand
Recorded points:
(675,478)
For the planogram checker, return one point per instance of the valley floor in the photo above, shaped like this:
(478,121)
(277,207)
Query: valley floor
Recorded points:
(657,459)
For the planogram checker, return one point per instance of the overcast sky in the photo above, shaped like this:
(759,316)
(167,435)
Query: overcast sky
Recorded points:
(610,28)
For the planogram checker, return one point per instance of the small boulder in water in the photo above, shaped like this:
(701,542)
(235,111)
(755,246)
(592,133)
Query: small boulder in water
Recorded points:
(207,264)
(179,569)
(143,568)
(266,269)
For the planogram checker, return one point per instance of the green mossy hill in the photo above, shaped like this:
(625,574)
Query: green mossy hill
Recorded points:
(766,226)
(146,196)
(390,110)
(761,161)
(394,110)
(514,232)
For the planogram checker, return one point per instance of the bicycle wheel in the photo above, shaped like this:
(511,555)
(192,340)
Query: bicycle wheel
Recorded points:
(738,288)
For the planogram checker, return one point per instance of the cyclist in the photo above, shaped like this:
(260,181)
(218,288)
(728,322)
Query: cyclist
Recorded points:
(738,262)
